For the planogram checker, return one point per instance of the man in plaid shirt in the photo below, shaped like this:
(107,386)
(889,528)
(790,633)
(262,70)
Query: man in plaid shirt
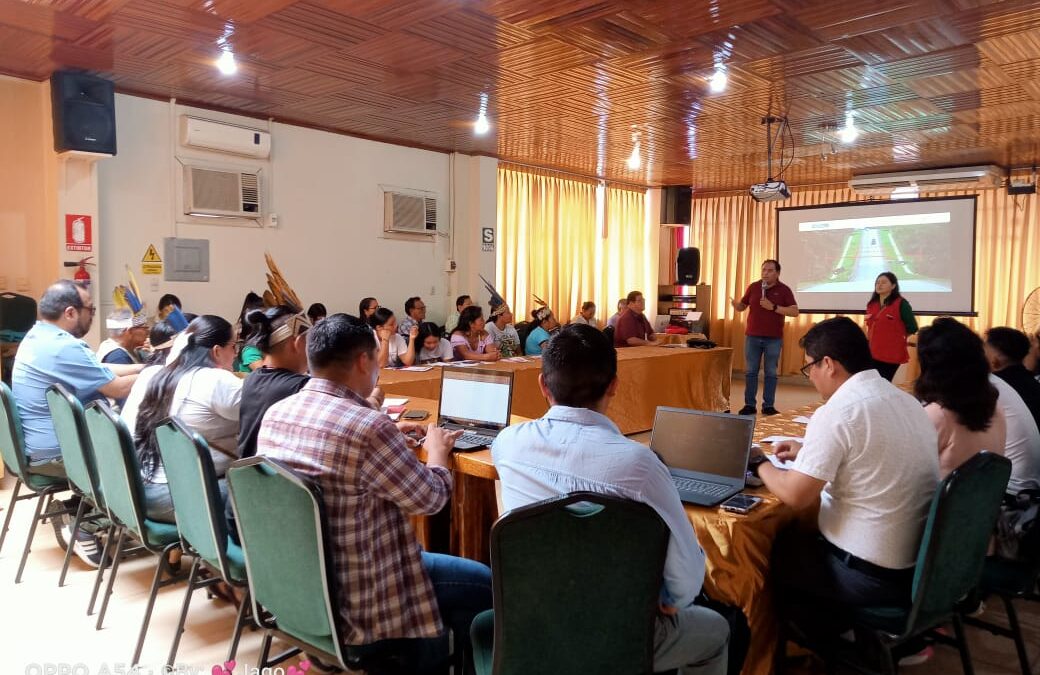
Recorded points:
(393,595)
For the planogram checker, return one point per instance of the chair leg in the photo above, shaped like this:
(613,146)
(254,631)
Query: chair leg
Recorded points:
(111,578)
(1016,634)
(244,615)
(156,583)
(72,541)
(184,613)
(99,577)
(10,512)
(962,645)
(32,531)
(265,651)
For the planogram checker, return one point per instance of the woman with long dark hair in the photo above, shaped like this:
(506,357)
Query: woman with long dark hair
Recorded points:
(469,339)
(433,347)
(367,307)
(394,349)
(954,384)
(198,387)
(248,358)
(890,321)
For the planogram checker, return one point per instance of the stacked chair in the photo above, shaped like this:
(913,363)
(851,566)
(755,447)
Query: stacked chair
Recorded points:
(40,488)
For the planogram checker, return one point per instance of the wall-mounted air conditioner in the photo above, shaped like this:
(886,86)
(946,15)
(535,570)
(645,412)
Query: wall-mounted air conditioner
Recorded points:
(225,193)
(409,213)
(230,138)
(929,180)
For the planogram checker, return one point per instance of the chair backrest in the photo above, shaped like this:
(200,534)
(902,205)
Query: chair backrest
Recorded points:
(577,581)
(118,471)
(196,497)
(11,440)
(956,536)
(70,427)
(284,533)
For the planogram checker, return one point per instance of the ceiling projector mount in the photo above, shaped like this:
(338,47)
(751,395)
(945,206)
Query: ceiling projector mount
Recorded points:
(774,188)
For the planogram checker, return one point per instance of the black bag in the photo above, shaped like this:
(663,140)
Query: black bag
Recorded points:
(699,343)
(1018,526)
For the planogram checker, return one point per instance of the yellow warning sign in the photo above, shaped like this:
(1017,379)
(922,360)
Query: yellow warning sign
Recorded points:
(151,263)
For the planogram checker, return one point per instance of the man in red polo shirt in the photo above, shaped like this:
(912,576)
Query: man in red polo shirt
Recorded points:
(633,328)
(769,302)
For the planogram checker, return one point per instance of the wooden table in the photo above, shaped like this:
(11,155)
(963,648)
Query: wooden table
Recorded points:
(737,547)
(648,376)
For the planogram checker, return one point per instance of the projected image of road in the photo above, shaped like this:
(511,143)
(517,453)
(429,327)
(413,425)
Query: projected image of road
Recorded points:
(848,255)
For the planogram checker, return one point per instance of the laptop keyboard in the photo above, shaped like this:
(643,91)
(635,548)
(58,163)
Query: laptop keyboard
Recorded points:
(475,439)
(700,487)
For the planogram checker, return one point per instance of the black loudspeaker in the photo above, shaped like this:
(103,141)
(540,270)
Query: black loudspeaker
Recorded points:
(676,201)
(84,112)
(688,266)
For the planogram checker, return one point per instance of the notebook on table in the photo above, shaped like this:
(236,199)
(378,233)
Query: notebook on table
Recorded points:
(477,401)
(705,452)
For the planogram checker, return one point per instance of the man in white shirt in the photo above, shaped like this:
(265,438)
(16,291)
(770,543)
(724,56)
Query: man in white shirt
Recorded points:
(1022,446)
(575,446)
(870,456)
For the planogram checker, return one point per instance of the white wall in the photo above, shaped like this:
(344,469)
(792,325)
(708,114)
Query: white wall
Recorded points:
(326,191)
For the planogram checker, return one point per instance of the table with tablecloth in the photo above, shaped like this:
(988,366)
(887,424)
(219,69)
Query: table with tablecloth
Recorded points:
(737,547)
(647,377)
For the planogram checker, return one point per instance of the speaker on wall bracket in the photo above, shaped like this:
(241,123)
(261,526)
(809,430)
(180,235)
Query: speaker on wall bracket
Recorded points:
(676,204)
(688,266)
(84,113)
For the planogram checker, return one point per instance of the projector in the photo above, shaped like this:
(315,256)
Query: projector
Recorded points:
(770,191)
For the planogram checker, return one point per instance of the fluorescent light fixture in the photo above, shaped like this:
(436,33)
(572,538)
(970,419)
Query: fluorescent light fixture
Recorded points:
(226,63)
(849,132)
(481,126)
(717,82)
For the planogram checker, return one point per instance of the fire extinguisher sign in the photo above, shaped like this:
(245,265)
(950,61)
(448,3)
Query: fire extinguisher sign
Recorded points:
(78,235)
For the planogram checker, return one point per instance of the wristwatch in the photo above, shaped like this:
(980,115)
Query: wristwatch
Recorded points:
(775,307)
(754,463)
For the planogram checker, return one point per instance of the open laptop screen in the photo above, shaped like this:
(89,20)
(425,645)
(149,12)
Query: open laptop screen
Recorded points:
(475,397)
(705,442)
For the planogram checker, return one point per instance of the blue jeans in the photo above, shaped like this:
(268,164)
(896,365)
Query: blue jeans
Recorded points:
(754,349)
(463,590)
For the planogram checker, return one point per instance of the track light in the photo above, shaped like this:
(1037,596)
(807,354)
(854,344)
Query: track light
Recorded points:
(717,82)
(226,63)
(849,132)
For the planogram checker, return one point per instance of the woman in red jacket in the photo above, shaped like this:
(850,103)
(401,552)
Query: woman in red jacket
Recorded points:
(890,320)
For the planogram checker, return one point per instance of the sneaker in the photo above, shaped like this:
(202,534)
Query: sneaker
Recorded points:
(748,410)
(918,658)
(770,410)
(60,522)
(978,611)
(87,547)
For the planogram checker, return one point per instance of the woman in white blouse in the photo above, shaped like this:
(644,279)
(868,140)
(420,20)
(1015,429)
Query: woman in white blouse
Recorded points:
(394,349)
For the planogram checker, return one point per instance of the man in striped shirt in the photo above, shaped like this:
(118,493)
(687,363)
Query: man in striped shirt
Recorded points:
(392,595)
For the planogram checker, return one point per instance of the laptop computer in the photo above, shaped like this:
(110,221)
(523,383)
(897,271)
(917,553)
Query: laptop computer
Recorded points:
(477,401)
(706,452)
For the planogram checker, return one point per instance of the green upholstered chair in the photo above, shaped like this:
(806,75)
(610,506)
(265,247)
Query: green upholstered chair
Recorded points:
(292,575)
(949,565)
(577,581)
(201,522)
(40,488)
(120,477)
(1010,580)
(70,427)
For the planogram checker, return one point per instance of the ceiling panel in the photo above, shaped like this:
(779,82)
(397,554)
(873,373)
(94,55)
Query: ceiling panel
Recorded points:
(568,84)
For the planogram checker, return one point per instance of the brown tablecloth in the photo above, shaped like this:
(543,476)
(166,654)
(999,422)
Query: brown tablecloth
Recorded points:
(648,377)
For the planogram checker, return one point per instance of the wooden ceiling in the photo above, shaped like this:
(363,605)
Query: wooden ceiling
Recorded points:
(931,82)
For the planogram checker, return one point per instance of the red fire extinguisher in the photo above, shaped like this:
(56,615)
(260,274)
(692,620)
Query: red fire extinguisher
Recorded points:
(81,274)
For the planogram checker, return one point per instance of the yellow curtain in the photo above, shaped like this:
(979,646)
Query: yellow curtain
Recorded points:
(546,233)
(626,253)
(735,234)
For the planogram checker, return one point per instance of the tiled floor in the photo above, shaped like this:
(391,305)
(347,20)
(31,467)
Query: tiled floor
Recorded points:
(42,624)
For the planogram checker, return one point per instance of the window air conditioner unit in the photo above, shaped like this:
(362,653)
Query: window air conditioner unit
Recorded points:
(409,214)
(230,138)
(221,193)
(929,180)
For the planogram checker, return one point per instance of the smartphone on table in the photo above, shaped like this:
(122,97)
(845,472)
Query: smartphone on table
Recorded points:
(741,503)
(414,415)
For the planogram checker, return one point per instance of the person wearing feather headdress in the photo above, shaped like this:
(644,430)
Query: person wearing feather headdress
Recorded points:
(502,331)
(127,333)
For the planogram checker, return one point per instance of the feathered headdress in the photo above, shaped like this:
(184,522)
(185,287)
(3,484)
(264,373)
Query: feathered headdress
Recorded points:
(128,297)
(497,302)
(279,291)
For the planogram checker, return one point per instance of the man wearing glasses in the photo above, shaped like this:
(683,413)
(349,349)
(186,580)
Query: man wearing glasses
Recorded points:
(870,456)
(415,314)
(54,353)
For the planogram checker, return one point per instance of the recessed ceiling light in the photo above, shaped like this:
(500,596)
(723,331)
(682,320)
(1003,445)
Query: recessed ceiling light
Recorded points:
(481,126)
(226,63)
(717,82)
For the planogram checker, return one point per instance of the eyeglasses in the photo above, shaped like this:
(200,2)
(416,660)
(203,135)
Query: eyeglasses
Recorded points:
(806,367)
(89,308)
